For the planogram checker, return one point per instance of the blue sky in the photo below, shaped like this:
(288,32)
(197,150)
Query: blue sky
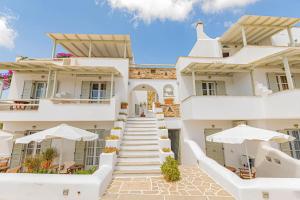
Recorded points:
(157,36)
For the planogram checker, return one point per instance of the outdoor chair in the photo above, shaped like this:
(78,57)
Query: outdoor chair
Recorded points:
(67,166)
(4,164)
(14,170)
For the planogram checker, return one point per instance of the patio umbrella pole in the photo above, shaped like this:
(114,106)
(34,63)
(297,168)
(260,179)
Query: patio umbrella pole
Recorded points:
(60,155)
(248,163)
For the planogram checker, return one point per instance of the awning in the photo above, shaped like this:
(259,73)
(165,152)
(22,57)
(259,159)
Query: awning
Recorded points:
(112,46)
(256,28)
(59,65)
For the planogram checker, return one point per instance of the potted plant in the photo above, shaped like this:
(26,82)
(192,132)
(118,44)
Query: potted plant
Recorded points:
(169,101)
(164,153)
(117,131)
(157,104)
(162,132)
(160,115)
(120,123)
(164,142)
(170,169)
(124,105)
(47,157)
(112,141)
(108,156)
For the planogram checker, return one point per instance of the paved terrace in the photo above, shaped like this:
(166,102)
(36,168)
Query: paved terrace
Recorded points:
(194,185)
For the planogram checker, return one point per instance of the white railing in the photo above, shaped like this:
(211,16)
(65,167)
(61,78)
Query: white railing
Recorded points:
(80,101)
(19,104)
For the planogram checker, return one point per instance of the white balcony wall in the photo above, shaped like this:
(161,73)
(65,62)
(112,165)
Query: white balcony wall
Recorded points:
(49,111)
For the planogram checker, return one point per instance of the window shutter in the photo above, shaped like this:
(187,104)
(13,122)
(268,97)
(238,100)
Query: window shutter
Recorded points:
(273,85)
(199,91)
(285,147)
(221,89)
(27,89)
(108,89)
(79,152)
(85,90)
(17,155)
(297,80)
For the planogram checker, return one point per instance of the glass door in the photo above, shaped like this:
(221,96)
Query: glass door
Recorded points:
(295,145)
(98,90)
(209,88)
(39,90)
(282,82)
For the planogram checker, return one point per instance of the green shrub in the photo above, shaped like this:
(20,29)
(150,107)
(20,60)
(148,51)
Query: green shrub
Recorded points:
(33,164)
(170,170)
(116,128)
(166,149)
(87,172)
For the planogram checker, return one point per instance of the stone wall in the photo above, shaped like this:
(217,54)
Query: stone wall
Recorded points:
(171,110)
(152,73)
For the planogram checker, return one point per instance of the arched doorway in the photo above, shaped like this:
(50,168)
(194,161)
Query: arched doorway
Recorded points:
(142,98)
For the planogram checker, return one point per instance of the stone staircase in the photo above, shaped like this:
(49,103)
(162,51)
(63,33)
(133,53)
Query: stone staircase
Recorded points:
(139,151)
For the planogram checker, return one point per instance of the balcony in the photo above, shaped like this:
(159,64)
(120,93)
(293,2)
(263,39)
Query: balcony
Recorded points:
(281,105)
(58,110)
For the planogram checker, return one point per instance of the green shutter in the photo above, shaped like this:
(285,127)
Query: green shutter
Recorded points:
(297,80)
(17,155)
(27,89)
(79,152)
(221,90)
(285,147)
(46,144)
(85,90)
(273,85)
(199,91)
(108,89)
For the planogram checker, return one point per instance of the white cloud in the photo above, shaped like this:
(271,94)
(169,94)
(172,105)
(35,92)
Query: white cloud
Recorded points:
(149,10)
(175,10)
(7,33)
(213,6)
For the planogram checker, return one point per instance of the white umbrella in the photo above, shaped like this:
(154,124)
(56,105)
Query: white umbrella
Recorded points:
(5,135)
(242,133)
(62,131)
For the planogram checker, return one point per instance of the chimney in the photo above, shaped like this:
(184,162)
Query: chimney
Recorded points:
(200,31)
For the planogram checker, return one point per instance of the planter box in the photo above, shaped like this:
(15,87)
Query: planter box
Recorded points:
(163,132)
(113,143)
(119,124)
(122,117)
(160,116)
(164,143)
(157,110)
(117,132)
(161,124)
(109,159)
(163,155)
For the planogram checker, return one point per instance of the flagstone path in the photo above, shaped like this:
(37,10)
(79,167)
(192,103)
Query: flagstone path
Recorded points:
(194,185)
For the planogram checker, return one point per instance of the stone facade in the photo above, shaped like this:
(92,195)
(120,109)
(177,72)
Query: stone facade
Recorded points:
(152,73)
(171,110)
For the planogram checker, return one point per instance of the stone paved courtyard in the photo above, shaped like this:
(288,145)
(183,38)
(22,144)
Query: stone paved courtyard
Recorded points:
(194,185)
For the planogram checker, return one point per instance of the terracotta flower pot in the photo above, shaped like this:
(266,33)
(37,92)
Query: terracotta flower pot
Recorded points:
(169,101)
(157,104)
(124,105)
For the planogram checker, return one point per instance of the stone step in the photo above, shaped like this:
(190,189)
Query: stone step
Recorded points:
(141,133)
(139,141)
(141,119)
(139,144)
(140,147)
(132,173)
(141,129)
(149,163)
(140,137)
(138,156)
(140,159)
(144,126)
(141,122)
(139,167)
(139,153)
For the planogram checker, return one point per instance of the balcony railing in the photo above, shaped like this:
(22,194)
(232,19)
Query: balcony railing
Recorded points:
(19,104)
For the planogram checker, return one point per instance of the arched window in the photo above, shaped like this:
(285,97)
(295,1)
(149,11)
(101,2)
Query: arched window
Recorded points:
(168,91)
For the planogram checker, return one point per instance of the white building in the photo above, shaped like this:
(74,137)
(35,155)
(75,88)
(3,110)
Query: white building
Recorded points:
(249,75)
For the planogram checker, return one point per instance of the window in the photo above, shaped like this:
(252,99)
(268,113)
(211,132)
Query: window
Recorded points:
(168,91)
(282,82)
(98,90)
(32,148)
(209,88)
(39,89)
(295,145)
(94,148)
(225,54)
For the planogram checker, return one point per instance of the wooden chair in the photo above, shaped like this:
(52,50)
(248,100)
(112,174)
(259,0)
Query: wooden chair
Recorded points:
(14,170)
(244,173)
(4,164)
(66,169)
